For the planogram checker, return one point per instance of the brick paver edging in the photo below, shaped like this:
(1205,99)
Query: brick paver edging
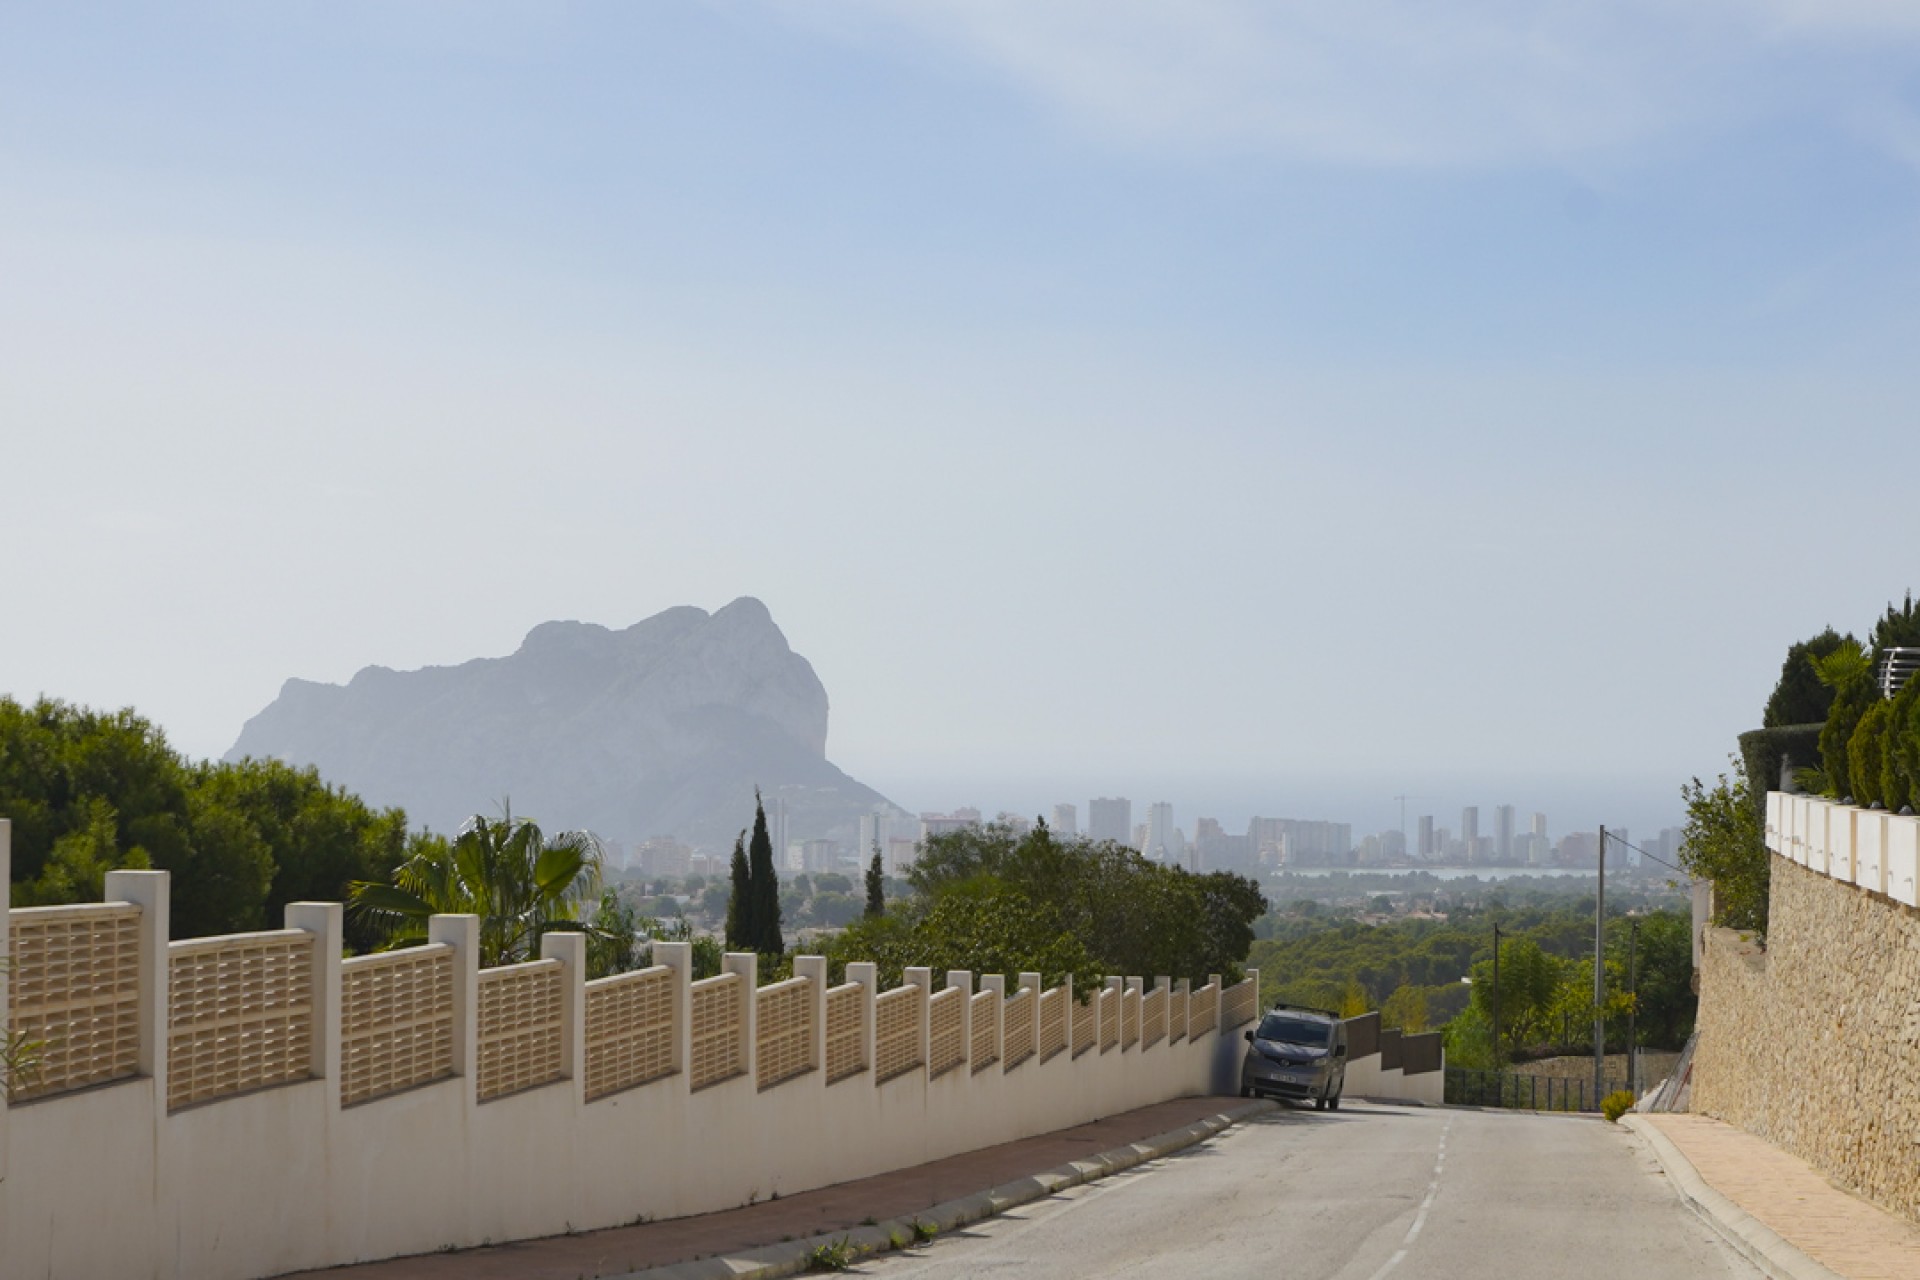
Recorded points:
(1752,1239)
(795,1257)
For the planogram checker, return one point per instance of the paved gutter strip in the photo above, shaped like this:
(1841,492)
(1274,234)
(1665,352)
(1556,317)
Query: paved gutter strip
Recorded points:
(1758,1243)
(794,1257)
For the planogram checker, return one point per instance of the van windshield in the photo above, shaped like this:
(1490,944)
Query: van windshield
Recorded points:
(1287,1030)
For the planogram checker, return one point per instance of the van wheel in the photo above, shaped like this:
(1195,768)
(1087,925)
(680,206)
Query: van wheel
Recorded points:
(1333,1103)
(1246,1091)
(1320,1104)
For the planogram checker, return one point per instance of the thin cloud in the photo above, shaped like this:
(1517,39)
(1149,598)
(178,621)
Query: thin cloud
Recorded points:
(1406,84)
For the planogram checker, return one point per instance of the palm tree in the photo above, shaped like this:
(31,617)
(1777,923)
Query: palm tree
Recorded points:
(506,871)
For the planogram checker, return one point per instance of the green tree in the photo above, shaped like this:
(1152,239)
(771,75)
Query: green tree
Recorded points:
(740,930)
(876,884)
(1529,980)
(834,910)
(1406,1009)
(1848,671)
(1866,754)
(1722,842)
(763,888)
(520,882)
(984,926)
(1664,977)
(320,838)
(1801,696)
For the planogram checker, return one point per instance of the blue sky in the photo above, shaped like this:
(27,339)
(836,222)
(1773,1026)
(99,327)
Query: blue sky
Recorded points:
(1280,394)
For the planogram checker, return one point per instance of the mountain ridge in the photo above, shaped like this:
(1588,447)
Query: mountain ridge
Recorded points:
(662,728)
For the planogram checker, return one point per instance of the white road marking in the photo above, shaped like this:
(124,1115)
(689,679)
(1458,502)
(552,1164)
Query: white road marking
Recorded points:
(1420,1218)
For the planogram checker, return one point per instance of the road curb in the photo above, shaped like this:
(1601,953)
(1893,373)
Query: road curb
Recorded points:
(1758,1243)
(794,1257)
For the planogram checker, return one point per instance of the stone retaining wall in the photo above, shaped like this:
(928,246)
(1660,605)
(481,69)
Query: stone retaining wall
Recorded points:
(1814,1044)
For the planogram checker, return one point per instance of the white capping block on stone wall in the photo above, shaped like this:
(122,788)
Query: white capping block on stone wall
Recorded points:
(1870,849)
(1869,838)
(1903,860)
(1815,814)
(1840,820)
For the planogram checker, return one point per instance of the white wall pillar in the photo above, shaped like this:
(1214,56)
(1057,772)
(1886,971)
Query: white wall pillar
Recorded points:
(1066,984)
(462,933)
(997,983)
(149,891)
(678,956)
(326,922)
(570,949)
(961,980)
(867,974)
(922,977)
(747,965)
(814,970)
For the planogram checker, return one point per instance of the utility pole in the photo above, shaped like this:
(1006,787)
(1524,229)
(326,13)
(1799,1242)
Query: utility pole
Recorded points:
(1633,986)
(1496,995)
(1600,977)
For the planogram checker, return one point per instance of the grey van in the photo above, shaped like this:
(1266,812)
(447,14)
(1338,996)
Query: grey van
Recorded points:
(1297,1053)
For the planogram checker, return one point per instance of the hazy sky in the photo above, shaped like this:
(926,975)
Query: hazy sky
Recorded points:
(1251,391)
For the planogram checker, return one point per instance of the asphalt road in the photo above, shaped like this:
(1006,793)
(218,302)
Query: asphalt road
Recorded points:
(1360,1194)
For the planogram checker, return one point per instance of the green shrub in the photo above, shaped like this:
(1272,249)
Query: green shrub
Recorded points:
(1764,751)
(834,1255)
(1900,760)
(1865,750)
(1615,1105)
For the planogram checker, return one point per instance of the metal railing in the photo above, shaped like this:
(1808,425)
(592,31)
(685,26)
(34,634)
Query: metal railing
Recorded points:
(1478,1087)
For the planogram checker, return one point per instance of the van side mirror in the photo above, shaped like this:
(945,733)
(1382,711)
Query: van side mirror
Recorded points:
(1339,1051)
(1249,1037)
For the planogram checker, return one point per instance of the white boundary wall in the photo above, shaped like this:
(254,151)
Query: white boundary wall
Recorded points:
(1868,848)
(106,1182)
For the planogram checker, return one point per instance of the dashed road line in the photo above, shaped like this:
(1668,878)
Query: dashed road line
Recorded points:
(1420,1218)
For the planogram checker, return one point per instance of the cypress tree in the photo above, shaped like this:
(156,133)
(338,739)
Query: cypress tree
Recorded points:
(763,887)
(876,884)
(740,902)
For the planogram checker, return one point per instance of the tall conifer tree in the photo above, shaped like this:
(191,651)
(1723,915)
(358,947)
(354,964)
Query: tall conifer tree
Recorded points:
(740,903)
(764,887)
(876,884)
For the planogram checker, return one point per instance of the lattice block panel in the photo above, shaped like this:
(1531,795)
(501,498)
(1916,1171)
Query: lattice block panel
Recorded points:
(519,1030)
(76,993)
(396,1021)
(1203,1010)
(718,1030)
(982,1014)
(846,1031)
(784,1026)
(1053,1022)
(896,1033)
(1153,1013)
(629,1030)
(946,1047)
(1129,1019)
(1086,1018)
(1177,1012)
(240,1014)
(1109,1019)
(1019,1028)
(1238,1004)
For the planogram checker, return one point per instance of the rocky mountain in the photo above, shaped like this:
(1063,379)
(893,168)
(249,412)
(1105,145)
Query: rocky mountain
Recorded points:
(664,728)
